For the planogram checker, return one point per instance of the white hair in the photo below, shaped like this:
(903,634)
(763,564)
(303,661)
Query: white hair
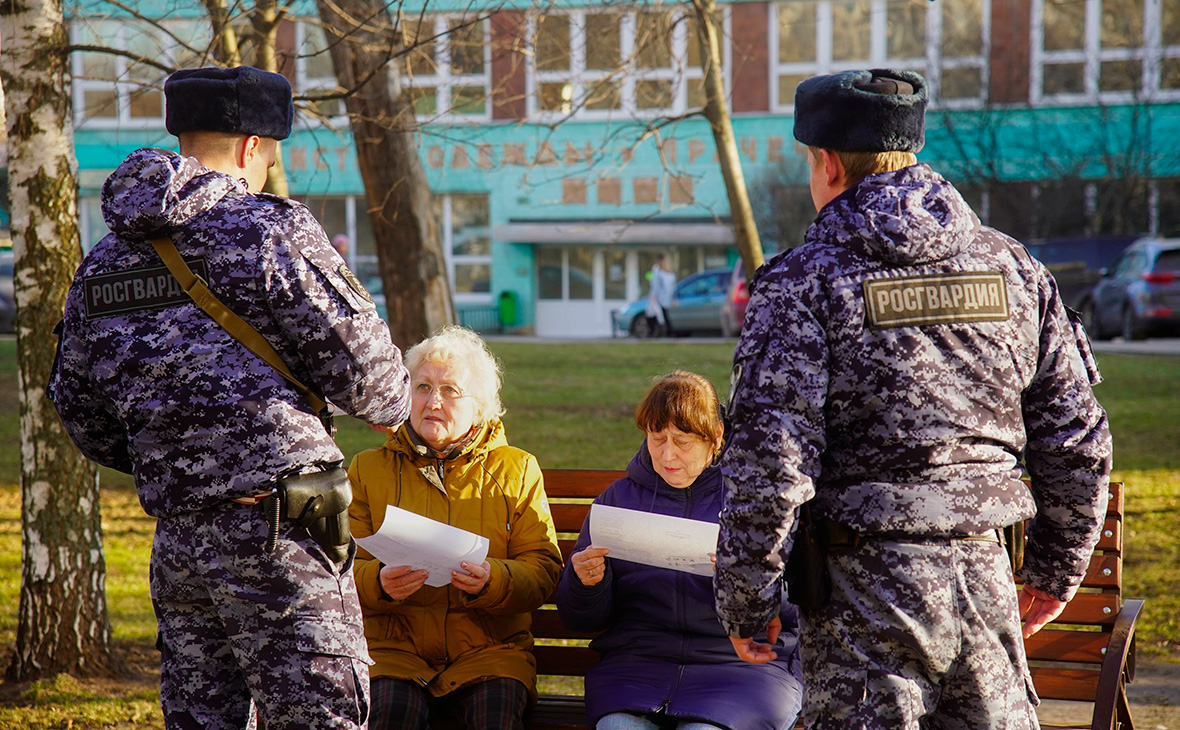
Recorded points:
(467,355)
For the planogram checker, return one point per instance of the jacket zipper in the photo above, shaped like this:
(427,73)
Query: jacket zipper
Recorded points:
(438,465)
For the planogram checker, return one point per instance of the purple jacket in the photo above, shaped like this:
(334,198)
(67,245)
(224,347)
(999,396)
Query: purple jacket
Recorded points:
(662,646)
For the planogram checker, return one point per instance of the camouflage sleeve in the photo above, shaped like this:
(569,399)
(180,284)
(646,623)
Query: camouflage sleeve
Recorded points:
(772,455)
(330,321)
(1068,453)
(90,419)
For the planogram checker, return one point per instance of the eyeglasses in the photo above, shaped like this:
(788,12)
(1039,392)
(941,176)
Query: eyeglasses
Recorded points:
(446,391)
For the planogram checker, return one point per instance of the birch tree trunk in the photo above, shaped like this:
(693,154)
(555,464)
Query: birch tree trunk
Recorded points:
(62,624)
(409,247)
(744,230)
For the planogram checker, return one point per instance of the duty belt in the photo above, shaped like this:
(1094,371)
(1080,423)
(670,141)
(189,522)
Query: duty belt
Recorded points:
(837,536)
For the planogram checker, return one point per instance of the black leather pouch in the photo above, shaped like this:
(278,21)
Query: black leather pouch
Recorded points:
(809,585)
(318,501)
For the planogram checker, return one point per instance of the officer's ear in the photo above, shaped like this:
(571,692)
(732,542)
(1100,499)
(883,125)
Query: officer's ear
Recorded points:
(248,147)
(833,168)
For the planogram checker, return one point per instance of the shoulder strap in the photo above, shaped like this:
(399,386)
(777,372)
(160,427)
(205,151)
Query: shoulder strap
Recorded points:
(241,330)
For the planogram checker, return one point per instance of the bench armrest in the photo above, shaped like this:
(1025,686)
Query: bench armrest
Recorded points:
(1117,668)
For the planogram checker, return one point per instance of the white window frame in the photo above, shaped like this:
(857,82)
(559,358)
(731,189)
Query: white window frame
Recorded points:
(580,78)
(930,65)
(447,230)
(443,80)
(307,84)
(123,89)
(1150,54)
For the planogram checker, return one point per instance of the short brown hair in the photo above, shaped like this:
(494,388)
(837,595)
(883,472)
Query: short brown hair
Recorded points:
(859,165)
(684,400)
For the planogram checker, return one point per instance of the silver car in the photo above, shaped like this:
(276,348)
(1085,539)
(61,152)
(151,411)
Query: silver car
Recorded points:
(697,306)
(1139,295)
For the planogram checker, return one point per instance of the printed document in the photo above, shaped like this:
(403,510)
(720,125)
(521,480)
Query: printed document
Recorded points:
(651,539)
(406,538)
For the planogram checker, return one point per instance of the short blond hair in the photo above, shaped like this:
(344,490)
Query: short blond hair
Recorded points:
(465,353)
(859,165)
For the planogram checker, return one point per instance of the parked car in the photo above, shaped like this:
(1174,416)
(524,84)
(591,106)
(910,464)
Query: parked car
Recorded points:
(7,295)
(733,309)
(1139,295)
(697,307)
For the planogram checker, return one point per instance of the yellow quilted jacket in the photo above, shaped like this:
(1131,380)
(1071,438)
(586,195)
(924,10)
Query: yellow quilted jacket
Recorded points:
(442,637)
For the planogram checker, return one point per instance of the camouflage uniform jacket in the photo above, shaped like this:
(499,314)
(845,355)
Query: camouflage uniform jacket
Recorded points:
(149,384)
(898,367)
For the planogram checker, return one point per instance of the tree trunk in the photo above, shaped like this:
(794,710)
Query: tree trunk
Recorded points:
(409,248)
(225,47)
(265,18)
(62,624)
(744,229)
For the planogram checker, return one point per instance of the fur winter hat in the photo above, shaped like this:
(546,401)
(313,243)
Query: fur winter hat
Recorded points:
(246,100)
(881,110)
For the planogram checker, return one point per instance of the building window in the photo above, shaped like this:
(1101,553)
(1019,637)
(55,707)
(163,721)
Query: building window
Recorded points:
(944,41)
(449,67)
(314,72)
(464,221)
(1110,50)
(121,90)
(601,63)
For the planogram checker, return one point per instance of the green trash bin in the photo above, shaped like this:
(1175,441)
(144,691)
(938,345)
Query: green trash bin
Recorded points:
(509,309)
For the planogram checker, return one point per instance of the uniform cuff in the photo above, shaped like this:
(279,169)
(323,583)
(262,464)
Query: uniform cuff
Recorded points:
(741,631)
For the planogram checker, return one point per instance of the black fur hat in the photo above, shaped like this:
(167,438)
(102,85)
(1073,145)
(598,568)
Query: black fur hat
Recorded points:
(881,110)
(243,99)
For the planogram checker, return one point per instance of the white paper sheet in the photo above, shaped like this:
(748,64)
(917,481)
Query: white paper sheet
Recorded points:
(651,539)
(406,538)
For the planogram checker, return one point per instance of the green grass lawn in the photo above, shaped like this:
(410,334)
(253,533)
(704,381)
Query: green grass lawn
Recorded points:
(571,405)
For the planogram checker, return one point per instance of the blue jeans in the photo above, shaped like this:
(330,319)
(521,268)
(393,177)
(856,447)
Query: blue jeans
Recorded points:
(627,721)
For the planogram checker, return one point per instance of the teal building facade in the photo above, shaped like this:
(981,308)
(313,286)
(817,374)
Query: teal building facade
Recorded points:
(563,152)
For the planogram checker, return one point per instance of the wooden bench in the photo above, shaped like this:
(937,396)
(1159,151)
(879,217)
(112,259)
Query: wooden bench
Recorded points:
(1086,655)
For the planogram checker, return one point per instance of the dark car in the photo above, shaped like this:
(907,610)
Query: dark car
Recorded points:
(1139,295)
(733,309)
(697,307)
(7,296)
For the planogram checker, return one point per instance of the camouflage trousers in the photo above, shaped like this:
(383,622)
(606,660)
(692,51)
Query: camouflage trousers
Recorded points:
(917,635)
(245,633)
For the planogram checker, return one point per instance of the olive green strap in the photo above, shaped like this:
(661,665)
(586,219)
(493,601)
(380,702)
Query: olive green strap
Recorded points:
(241,330)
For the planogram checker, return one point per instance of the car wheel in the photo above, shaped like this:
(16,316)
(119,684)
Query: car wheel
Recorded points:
(1091,321)
(640,327)
(1132,328)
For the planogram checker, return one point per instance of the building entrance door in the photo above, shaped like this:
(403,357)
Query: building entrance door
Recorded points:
(579,286)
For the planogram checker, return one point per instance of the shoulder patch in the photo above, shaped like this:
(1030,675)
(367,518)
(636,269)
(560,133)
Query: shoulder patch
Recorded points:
(969,296)
(354,283)
(134,290)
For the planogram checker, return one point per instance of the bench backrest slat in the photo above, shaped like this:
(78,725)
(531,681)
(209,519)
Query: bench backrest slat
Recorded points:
(1077,638)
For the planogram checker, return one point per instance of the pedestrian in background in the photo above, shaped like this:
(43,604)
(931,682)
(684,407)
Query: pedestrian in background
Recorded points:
(661,294)
(898,374)
(255,615)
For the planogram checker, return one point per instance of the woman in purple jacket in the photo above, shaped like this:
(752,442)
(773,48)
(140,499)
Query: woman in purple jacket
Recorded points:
(666,662)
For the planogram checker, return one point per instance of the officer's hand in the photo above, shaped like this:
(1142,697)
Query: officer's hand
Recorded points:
(751,651)
(472,578)
(402,581)
(1038,608)
(590,565)
(384,429)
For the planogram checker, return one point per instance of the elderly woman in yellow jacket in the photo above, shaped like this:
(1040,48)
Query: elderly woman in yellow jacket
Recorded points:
(463,648)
